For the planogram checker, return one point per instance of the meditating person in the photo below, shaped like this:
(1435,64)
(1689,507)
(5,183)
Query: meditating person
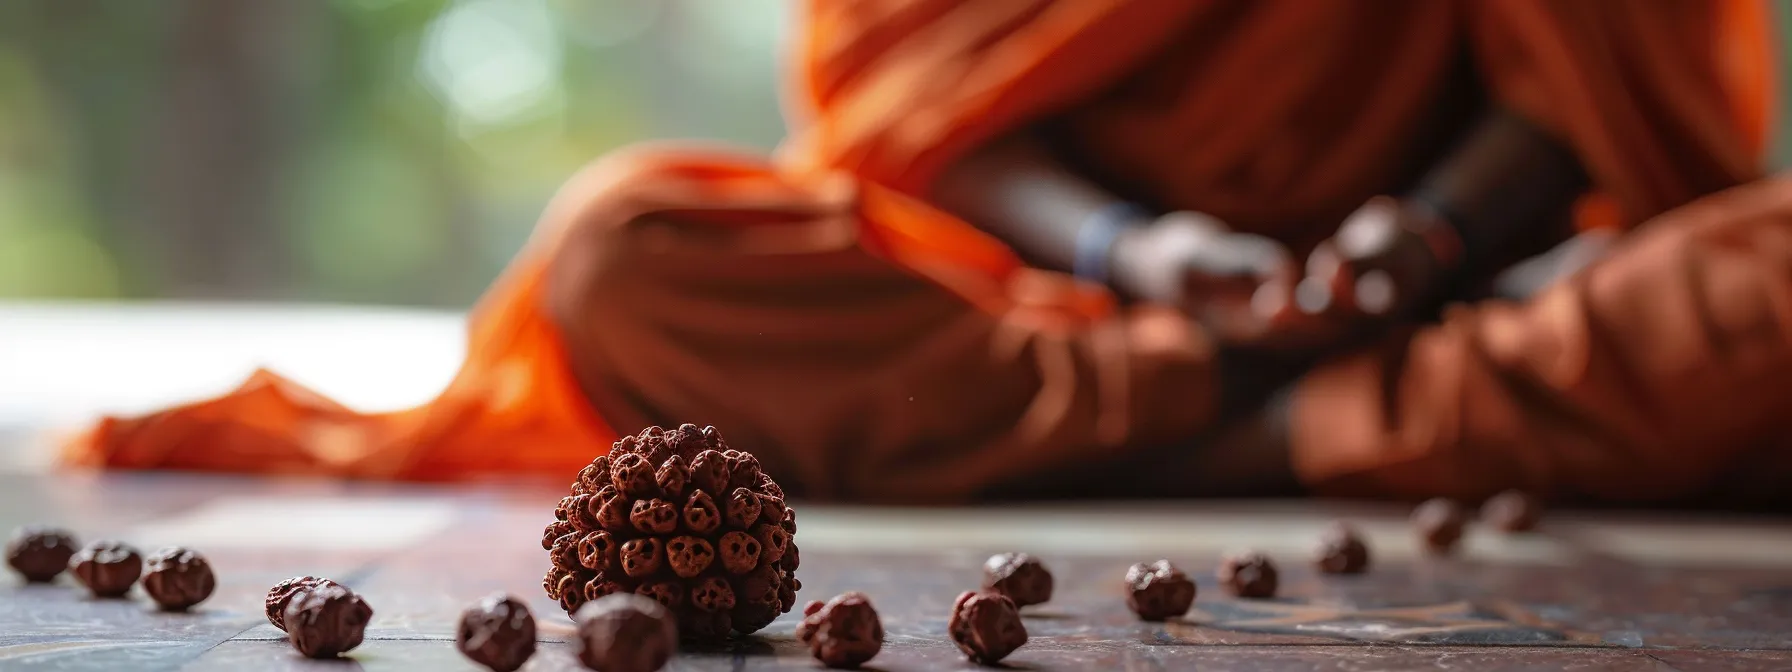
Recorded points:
(1125,247)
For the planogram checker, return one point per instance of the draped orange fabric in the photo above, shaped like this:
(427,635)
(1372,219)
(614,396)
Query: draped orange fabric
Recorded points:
(1276,115)
(512,408)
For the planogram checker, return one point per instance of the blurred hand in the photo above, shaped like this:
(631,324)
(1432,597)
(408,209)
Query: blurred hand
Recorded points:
(1381,263)
(1214,274)
(1384,262)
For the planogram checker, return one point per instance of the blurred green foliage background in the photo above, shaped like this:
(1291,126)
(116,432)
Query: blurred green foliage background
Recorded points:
(389,151)
(392,151)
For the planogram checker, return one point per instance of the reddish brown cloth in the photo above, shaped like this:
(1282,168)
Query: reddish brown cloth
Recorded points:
(867,345)
(848,375)
(1648,377)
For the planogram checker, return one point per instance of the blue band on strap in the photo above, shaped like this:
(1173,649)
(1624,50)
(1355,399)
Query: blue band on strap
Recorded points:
(1095,241)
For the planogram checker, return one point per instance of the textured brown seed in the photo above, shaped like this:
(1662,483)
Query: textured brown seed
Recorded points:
(600,585)
(642,557)
(1341,551)
(689,438)
(771,509)
(672,476)
(572,589)
(497,632)
(760,586)
(771,489)
(625,633)
(326,621)
(845,632)
(739,551)
(1019,576)
(689,556)
(1512,511)
(700,514)
(743,509)
(773,540)
(709,472)
(39,553)
(580,511)
(282,593)
(656,444)
(107,568)
(712,438)
(566,551)
(627,444)
(578,486)
(609,514)
(594,476)
(597,551)
(178,578)
(792,559)
(553,532)
(667,593)
(787,590)
(743,469)
(1439,523)
(669,541)
(1158,590)
(986,626)
(633,475)
(713,594)
(1248,574)
(550,583)
(654,516)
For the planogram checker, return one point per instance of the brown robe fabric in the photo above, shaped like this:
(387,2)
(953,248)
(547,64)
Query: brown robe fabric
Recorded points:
(869,346)
(1649,377)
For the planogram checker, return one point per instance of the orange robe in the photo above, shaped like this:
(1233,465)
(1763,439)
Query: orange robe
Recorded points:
(866,345)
